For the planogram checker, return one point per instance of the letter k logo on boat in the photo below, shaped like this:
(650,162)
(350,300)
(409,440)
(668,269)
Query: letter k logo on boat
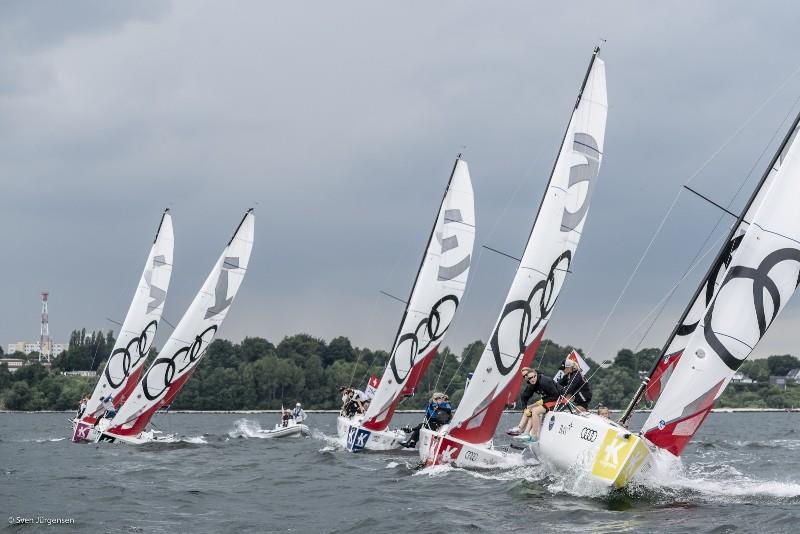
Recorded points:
(612,452)
(447,454)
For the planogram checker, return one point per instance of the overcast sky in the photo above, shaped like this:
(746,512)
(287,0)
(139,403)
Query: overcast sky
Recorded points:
(339,123)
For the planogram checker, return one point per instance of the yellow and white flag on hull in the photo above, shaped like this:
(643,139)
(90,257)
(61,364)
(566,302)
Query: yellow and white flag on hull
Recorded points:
(619,457)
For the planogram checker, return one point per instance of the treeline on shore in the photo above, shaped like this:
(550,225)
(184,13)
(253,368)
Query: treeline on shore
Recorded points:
(256,374)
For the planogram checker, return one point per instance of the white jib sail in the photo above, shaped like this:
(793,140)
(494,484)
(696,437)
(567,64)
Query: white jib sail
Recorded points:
(124,365)
(434,299)
(761,276)
(705,295)
(545,262)
(191,337)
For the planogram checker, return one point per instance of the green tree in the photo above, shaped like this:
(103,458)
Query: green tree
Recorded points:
(19,397)
(780,365)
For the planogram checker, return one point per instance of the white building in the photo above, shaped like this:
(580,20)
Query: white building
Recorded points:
(26,348)
(741,378)
(13,364)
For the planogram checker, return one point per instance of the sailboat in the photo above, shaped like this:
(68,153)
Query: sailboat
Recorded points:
(553,241)
(430,309)
(752,278)
(187,345)
(126,362)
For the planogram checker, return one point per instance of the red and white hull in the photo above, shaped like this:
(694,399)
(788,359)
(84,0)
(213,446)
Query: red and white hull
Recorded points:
(356,438)
(438,448)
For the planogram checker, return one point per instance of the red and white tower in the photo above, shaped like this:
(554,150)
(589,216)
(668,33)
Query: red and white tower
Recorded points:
(45,343)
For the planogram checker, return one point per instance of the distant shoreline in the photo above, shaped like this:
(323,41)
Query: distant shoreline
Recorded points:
(256,412)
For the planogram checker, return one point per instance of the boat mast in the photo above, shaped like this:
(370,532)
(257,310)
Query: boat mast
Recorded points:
(715,267)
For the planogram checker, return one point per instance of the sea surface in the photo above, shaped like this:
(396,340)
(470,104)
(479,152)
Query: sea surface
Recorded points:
(741,474)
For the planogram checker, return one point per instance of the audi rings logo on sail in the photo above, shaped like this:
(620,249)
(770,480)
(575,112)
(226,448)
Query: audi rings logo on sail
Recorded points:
(589,434)
(173,367)
(128,357)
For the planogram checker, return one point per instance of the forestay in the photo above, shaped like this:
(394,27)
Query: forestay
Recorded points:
(190,339)
(544,266)
(761,275)
(126,362)
(435,296)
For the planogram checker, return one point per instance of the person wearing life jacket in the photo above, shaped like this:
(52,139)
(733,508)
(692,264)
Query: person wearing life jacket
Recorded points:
(437,414)
(352,401)
(575,388)
(548,389)
(286,415)
(108,406)
(298,414)
(82,406)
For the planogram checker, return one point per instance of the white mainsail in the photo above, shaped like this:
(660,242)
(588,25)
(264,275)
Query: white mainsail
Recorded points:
(761,276)
(437,292)
(191,337)
(544,266)
(126,362)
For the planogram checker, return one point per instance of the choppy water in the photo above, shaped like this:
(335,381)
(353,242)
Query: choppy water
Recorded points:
(741,475)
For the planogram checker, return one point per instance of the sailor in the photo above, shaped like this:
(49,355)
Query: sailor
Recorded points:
(437,413)
(82,406)
(353,401)
(298,413)
(108,406)
(525,397)
(547,388)
(285,416)
(575,387)
(602,411)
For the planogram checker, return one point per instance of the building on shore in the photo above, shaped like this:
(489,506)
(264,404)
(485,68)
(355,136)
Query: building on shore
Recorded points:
(79,373)
(13,364)
(27,348)
(792,378)
(741,378)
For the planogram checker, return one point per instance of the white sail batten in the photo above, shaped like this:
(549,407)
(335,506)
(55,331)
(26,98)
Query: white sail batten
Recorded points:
(761,276)
(436,294)
(125,364)
(185,348)
(544,266)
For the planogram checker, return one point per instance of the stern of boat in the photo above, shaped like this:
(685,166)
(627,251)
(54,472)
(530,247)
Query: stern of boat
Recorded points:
(439,448)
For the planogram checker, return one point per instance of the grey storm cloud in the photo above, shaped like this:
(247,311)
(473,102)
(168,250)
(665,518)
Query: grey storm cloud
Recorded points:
(339,122)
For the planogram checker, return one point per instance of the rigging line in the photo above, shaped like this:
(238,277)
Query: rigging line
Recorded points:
(166,321)
(441,370)
(660,305)
(544,351)
(677,196)
(692,264)
(473,267)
